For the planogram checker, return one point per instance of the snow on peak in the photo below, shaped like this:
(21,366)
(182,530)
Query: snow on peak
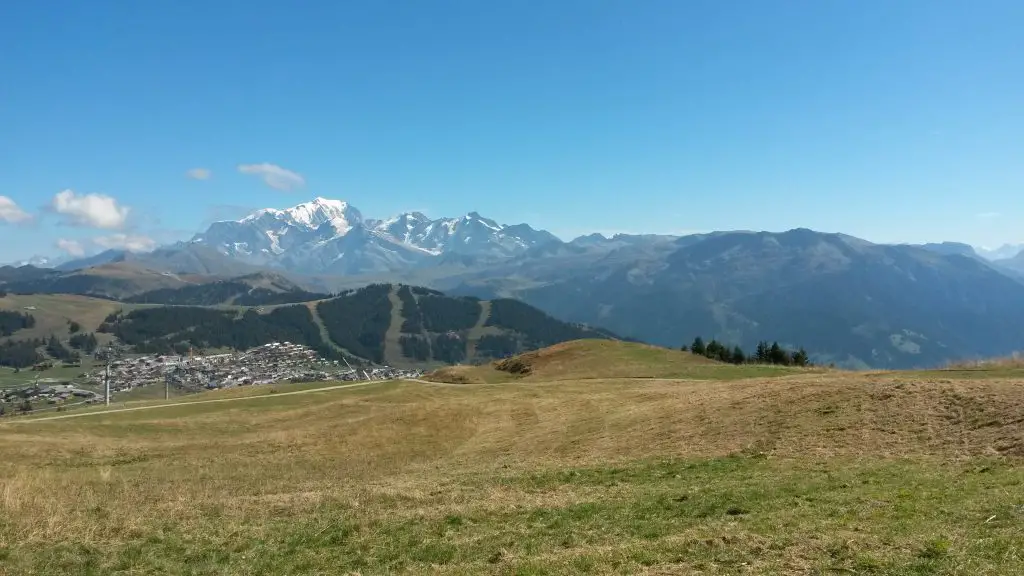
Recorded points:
(260,213)
(486,222)
(315,225)
(337,205)
(314,213)
(309,216)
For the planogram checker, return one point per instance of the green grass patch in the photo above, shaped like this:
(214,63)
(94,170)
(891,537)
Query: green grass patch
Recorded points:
(731,515)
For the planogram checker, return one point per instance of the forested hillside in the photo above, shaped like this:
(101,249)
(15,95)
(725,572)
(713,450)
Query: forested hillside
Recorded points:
(460,329)
(434,328)
(173,330)
(358,320)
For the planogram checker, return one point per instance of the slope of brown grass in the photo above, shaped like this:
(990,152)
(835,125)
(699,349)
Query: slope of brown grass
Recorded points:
(53,311)
(800,474)
(592,358)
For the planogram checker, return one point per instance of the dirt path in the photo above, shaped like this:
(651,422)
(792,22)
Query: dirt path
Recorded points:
(477,330)
(194,402)
(392,348)
(324,335)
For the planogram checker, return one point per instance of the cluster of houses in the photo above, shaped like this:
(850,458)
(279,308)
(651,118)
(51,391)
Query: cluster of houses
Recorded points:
(267,364)
(383,373)
(41,394)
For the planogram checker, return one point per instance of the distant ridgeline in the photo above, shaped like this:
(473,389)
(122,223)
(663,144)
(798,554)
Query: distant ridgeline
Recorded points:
(764,354)
(47,281)
(380,323)
(223,292)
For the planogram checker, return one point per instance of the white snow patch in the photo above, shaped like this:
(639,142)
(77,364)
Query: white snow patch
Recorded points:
(257,214)
(275,241)
(315,213)
(341,225)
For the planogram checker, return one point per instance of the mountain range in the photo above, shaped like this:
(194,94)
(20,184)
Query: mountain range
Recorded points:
(332,237)
(845,299)
(1004,252)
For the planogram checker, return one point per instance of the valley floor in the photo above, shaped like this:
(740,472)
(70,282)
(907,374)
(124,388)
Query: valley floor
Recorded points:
(799,474)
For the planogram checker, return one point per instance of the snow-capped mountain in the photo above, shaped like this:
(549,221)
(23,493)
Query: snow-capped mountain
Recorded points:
(471,235)
(266,234)
(40,261)
(326,236)
(1003,252)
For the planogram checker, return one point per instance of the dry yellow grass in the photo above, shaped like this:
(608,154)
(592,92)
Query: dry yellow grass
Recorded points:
(783,475)
(53,311)
(1006,362)
(592,358)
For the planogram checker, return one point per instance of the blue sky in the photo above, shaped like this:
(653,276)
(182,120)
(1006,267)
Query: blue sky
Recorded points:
(897,120)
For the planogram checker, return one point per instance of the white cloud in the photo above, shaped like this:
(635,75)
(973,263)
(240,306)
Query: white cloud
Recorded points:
(274,176)
(127,242)
(199,173)
(11,213)
(93,210)
(72,247)
(987,215)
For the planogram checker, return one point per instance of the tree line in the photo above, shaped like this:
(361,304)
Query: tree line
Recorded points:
(11,322)
(764,353)
(174,330)
(56,349)
(413,318)
(20,353)
(84,341)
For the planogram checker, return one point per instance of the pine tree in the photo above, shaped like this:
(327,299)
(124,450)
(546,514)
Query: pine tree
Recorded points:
(713,349)
(698,346)
(761,355)
(738,357)
(800,358)
(778,355)
(724,354)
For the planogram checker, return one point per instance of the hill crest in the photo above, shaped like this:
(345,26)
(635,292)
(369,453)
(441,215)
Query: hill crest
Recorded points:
(601,359)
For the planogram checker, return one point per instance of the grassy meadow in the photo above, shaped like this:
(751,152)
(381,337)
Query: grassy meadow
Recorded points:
(603,359)
(53,312)
(785,473)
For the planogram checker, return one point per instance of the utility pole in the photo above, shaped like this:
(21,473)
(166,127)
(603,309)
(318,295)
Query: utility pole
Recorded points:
(106,374)
(350,368)
(167,385)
